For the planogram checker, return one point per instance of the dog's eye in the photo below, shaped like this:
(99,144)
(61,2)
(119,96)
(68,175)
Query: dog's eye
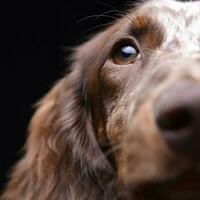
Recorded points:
(125,54)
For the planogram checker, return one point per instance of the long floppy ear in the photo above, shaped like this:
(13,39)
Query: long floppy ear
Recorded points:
(62,158)
(28,176)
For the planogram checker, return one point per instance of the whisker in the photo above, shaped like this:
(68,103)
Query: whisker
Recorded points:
(124,13)
(96,27)
(107,12)
(98,16)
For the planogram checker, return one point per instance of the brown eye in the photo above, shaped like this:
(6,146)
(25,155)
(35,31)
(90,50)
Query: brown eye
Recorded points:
(125,54)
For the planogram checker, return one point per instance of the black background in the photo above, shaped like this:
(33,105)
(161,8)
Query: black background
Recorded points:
(32,40)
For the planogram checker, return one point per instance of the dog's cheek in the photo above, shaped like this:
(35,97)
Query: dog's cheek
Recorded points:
(115,133)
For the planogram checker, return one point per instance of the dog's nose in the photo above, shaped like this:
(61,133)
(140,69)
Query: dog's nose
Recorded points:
(177,114)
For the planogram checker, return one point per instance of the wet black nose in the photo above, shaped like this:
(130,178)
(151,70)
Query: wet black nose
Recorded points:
(177,114)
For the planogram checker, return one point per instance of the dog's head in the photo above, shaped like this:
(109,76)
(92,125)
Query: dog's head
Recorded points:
(127,116)
(143,83)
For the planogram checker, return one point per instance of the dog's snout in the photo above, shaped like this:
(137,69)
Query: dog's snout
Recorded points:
(177,114)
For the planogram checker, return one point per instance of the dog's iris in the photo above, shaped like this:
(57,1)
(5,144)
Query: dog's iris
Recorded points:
(125,54)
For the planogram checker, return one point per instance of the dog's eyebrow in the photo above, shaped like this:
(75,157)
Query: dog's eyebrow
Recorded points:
(147,30)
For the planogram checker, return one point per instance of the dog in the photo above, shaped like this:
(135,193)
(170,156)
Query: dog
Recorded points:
(124,123)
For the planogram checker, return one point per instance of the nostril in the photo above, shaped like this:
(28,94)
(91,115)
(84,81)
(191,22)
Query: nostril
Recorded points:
(174,119)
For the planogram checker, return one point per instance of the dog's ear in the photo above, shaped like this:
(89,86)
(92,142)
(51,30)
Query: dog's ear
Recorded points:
(40,155)
(62,157)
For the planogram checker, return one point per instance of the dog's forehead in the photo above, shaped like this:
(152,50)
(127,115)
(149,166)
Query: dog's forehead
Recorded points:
(187,8)
(179,21)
